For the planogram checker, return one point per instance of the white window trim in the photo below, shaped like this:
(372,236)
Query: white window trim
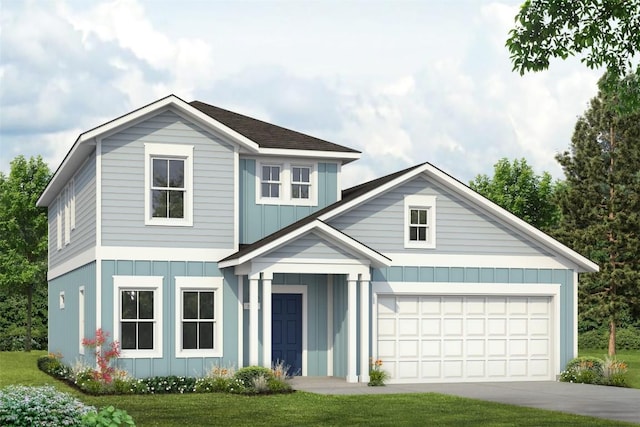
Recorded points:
(72,204)
(81,318)
(61,300)
(286,181)
(154,283)
(67,214)
(420,202)
(59,222)
(215,284)
(169,150)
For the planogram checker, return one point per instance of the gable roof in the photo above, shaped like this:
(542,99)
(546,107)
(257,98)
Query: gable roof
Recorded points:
(359,194)
(294,231)
(268,135)
(241,130)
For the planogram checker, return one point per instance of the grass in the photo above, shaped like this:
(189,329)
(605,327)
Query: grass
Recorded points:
(298,408)
(632,357)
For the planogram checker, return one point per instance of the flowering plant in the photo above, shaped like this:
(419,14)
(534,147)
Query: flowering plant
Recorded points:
(377,376)
(104,356)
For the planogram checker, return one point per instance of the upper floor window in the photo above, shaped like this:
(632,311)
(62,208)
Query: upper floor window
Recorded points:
(420,221)
(300,182)
(168,184)
(167,189)
(286,183)
(270,186)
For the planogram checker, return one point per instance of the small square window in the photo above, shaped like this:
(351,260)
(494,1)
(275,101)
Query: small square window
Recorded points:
(419,224)
(270,185)
(300,182)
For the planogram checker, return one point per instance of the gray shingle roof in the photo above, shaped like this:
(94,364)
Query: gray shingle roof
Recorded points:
(267,135)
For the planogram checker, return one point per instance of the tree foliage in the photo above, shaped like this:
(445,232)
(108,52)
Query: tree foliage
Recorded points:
(23,232)
(515,187)
(601,212)
(604,33)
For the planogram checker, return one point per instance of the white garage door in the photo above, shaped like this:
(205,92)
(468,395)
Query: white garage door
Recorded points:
(465,338)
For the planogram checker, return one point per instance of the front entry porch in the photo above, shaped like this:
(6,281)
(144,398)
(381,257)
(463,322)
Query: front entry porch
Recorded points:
(333,322)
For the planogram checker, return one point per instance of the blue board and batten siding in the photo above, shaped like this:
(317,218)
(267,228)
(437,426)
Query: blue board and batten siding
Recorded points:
(258,220)
(316,315)
(123,192)
(64,330)
(169,364)
(83,236)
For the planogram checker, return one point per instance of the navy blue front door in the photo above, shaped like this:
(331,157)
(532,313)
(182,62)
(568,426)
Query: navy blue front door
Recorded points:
(287,331)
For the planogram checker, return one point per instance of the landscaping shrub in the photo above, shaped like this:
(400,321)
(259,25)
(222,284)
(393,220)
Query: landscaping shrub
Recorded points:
(626,339)
(40,406)
(250,373)
(614,372)
(587,370)
(108,417)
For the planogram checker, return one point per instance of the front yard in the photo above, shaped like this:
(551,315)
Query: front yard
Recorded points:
(300,408)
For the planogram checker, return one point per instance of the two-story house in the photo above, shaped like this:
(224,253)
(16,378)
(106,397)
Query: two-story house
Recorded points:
(197,236)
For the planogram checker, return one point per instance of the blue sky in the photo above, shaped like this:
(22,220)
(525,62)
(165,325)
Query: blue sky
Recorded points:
(403,82)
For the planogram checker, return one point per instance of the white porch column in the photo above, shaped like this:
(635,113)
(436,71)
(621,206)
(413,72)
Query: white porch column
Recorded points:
(364,328)
(266,319)
(253,319)
(352,304)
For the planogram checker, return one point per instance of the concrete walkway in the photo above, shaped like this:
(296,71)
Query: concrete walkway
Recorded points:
(613,403)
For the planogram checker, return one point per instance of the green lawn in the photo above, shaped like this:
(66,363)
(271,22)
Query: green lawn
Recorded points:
(299,408)
(632,357)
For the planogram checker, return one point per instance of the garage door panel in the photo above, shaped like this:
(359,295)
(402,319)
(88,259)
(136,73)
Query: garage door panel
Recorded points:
(452,326)
(430,305)
(431,348)
(431,338)
(497,326)
(431,369)
(452,305)
(407,305)
(452,368)
(387,327)
(408,349)
(475,327)
(452,348)
(476,368)
(431,327)
(476,348)
(408,326)
(408,369)
(518,327)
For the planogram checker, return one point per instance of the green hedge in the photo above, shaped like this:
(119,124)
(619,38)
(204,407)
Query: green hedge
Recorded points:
(626,339)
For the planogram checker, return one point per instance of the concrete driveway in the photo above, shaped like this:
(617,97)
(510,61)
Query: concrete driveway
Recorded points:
(613,403)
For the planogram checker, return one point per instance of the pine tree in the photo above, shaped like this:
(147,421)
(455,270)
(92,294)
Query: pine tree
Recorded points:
(600,206)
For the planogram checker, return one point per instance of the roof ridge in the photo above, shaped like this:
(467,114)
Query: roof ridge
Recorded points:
(268,135)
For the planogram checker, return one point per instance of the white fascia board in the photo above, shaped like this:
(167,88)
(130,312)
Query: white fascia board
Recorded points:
(584,264)
(346,157)
(338,237)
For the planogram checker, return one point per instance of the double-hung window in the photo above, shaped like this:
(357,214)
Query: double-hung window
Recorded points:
(167,188)
(138,315)
(300,182)
(270,185)
(286,183)
(199,316)
(420,221)
(168,184)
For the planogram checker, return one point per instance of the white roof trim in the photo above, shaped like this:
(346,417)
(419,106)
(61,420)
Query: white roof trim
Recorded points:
(583,264)
(318,226)
(285,152)
(89,137)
